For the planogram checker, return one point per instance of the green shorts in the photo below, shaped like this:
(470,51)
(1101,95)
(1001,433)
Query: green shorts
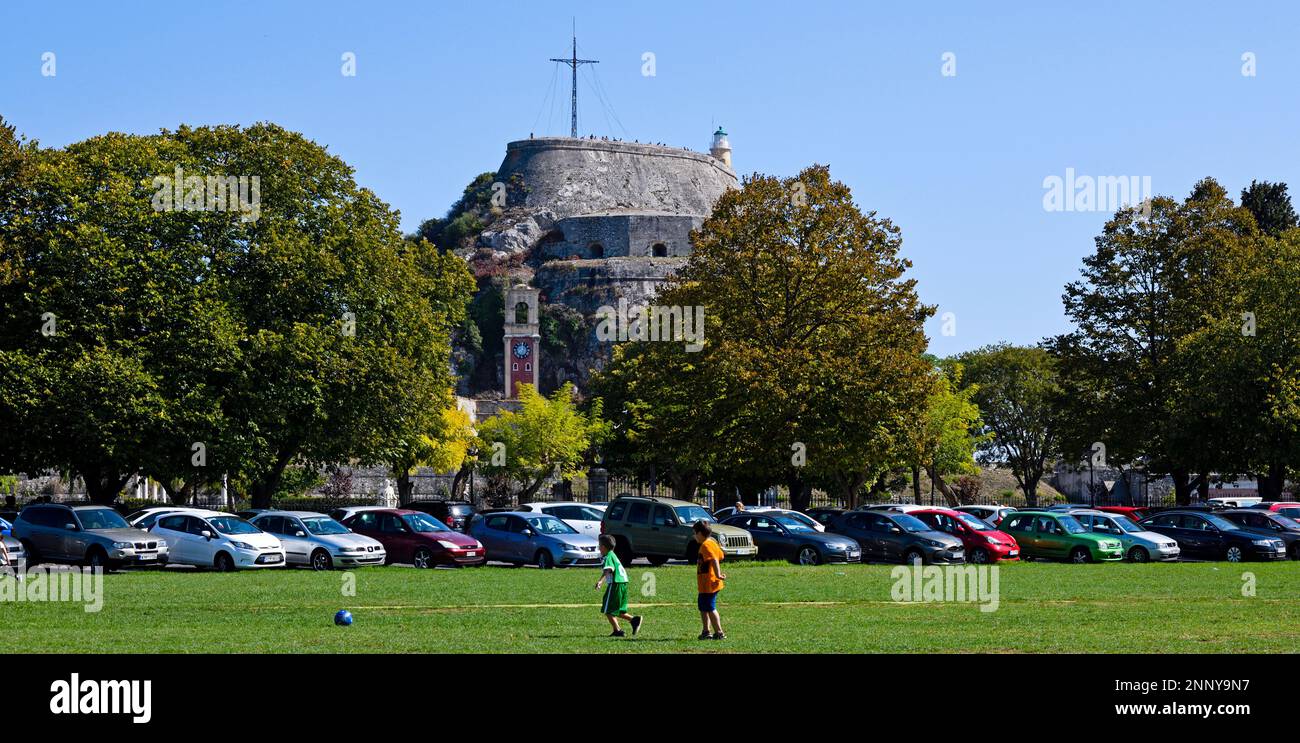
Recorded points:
(615,599)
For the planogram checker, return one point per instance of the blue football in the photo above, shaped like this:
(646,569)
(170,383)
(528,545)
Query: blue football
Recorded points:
(343,618)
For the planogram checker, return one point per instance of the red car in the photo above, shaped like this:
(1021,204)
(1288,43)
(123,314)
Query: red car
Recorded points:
(417,538)
(983,542)
(1289,509)
(1137,513)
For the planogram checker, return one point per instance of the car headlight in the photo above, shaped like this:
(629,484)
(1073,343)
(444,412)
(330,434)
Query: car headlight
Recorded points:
(243,546)
(448,545)
(122,545)
(1262,542)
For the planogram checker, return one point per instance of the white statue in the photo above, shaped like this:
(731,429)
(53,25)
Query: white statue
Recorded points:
(387,495)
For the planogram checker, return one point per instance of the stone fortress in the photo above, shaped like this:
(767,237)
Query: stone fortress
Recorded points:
(595,220)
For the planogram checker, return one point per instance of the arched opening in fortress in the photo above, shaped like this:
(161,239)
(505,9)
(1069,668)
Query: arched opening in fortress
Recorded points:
(597,250)
(659,250)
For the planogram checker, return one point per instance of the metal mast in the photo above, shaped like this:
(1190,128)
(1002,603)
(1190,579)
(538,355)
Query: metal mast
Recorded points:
(573,62)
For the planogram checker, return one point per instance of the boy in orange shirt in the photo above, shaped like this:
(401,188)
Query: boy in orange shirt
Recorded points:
(709,579)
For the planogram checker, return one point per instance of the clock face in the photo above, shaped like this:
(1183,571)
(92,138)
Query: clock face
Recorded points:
(521,350)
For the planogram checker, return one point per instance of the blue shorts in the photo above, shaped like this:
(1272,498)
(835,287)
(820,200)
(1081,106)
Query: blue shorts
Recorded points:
(707,602)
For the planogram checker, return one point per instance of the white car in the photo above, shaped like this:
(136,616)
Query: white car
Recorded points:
(145,518)
(899,507)
(217,540)
(723,513)
(581,516)
(319,541)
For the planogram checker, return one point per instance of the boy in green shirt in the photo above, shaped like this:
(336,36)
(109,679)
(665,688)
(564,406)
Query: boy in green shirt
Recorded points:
(614,607)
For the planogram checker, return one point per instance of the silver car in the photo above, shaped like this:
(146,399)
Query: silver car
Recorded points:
(317,540)
(11,554)
(1139,544)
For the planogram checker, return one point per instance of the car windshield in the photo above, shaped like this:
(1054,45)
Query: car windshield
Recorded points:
(793,524)
(974,522)
(1291,513)
(323,526)
(550,525)
(691,514)
(1283,520)
(1127,524)
(232,525)
(1071,524)
(423,524)
(1220,522)
(101,518)
(911,523)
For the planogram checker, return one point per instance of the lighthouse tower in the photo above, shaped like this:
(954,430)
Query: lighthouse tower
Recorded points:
(721,148)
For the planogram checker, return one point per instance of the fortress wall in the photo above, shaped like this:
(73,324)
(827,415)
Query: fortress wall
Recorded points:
(581,176)
(623,235)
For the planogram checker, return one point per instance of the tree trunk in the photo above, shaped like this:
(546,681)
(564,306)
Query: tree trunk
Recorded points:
(264,488)
(684,485)
(1182,487)
(948,495)
(1272,482)
(459,483)
(178,496)
(916,484)
(800,491)
(405,488)
(1030,486)
(102,488)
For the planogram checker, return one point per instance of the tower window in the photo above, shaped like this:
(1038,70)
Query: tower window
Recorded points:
(528,366)
(514,366)
(521,313)
(597,250)
(659,250)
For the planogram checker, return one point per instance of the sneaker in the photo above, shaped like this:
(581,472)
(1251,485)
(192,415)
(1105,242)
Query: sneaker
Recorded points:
(636,624)
(720,636)
(705,635)
(618,633)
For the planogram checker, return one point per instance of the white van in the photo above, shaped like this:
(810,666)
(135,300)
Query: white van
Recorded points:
(212,539)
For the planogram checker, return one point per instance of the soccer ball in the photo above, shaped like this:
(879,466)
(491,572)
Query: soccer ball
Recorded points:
(343,618)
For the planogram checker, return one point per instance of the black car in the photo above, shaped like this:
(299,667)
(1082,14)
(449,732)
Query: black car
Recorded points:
(453,513)
(896,537)
(1288,530)
(1208,536)
(782,537)
(824,516)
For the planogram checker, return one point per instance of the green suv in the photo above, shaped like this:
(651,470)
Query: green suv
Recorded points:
(659,529)
(1059,536)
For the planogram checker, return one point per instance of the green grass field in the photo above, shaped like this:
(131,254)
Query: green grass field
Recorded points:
(767,607)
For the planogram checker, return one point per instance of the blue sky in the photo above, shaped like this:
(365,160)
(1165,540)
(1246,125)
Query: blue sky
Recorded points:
(1124,88)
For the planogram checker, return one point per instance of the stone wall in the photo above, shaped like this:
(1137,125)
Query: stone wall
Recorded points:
(615,235)
(570,177)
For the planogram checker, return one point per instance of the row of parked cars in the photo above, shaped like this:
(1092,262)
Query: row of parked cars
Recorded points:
(657,529)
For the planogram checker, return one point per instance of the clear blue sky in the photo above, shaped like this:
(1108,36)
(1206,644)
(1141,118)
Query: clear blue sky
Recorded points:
(1121,88)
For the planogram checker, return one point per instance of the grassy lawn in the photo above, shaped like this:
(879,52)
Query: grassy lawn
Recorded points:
(767,607)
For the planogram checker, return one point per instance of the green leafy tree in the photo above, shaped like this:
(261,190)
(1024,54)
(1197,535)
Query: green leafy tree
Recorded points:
(1271,206)
(1016,388)
(546,437)
(1152,281)
(948,432)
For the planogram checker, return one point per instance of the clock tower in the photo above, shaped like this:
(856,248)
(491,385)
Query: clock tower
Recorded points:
(521,339)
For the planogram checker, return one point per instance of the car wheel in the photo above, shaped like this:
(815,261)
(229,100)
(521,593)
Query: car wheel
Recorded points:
(808,555)
(623,551)
(33,557)
(1233,554)
(422,558)
(913,557)
(657,560)
(544,559)
(980,556)
(321,560)
(1139,554)
(1080,555)
(224,563)
(95,558)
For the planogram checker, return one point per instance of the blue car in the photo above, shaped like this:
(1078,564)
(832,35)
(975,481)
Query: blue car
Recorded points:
(524,538)
(5,528)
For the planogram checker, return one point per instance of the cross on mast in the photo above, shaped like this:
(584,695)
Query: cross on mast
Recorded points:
(573,62)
